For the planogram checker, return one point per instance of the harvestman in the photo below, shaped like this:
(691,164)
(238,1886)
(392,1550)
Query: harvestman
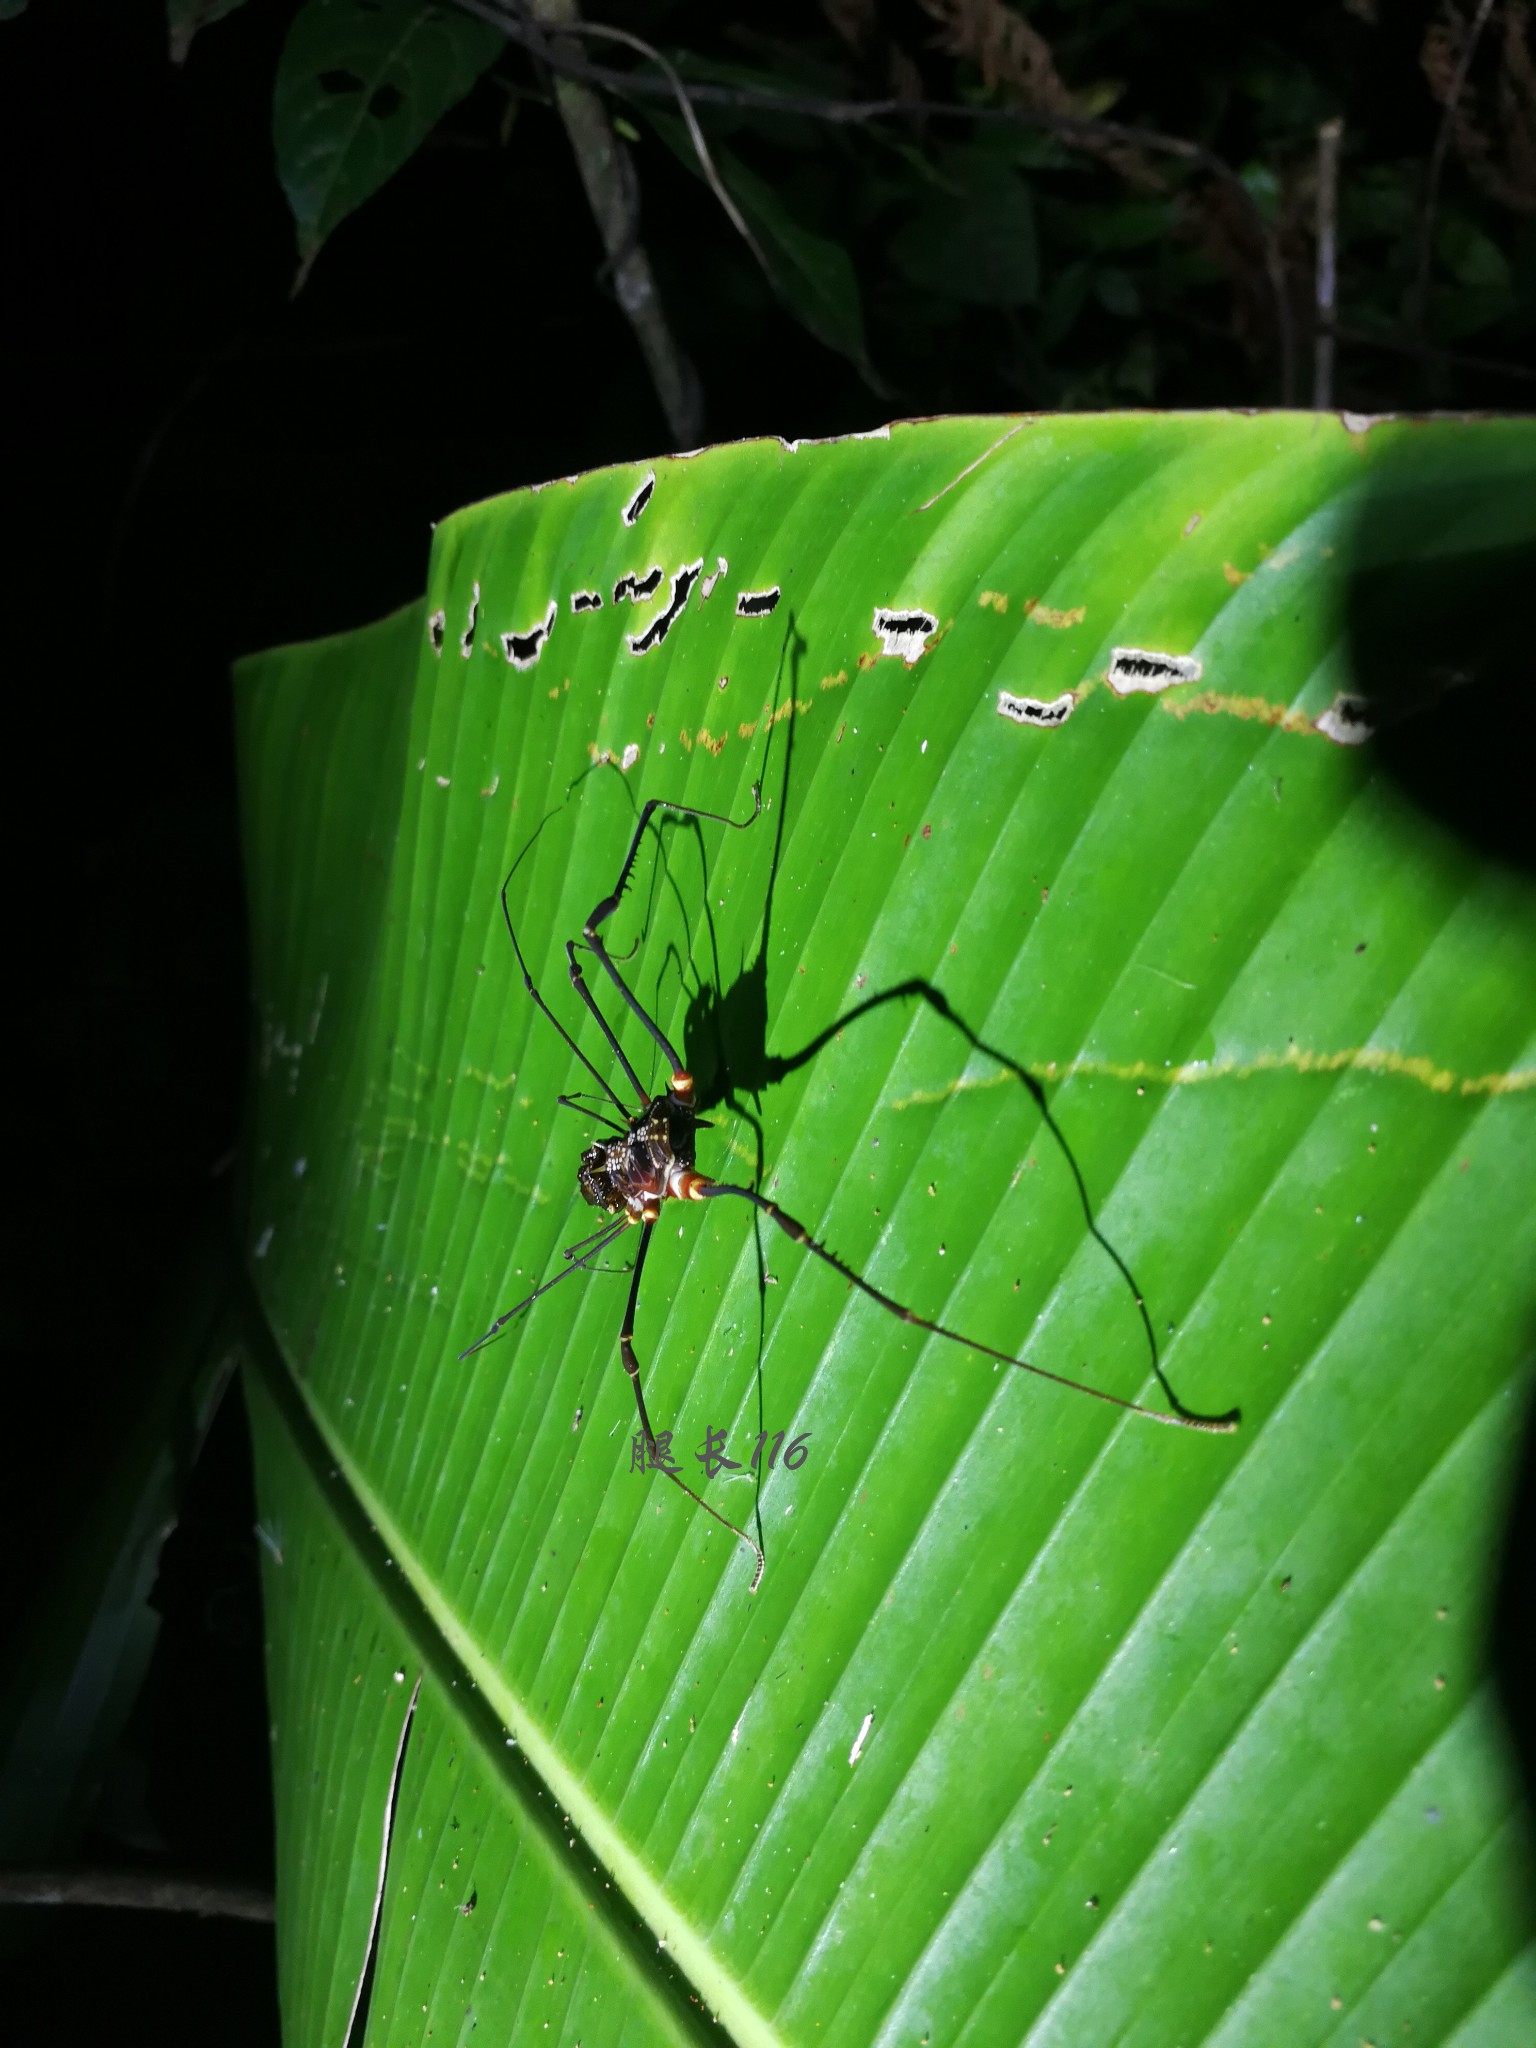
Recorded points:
(649,1161)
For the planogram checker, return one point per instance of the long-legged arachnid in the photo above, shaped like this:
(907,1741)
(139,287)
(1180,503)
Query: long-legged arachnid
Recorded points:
(650,1160)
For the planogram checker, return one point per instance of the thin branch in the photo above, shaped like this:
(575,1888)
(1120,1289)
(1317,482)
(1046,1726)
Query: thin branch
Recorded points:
(499,16)
(1493,366)
(140,1890)
(1420,300)
(1329,137)
(1386,344)
(1078,130)
(679,91)
(608,177)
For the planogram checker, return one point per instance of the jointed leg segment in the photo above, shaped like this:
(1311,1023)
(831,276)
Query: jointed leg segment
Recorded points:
(528,982)
(578,1257)
(604,910)
(1220,1425)
(578,982)
(632,1367)
(627,1333)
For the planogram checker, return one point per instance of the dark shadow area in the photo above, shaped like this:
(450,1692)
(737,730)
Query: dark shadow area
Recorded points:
(718,1015)
(726,1021)
(752,1067)
(1514,1614)
(726,1039)
(180,1799)
(1443,658)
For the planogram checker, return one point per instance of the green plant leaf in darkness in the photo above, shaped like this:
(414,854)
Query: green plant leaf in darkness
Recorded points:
(1165,1023)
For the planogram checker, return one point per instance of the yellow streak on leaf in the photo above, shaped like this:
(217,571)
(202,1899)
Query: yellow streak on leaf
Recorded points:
(1295,1059)
(384,1161)
(1216,703)
(1044,615)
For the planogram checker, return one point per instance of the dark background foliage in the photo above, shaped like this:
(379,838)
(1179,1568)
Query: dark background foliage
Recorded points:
(201,463)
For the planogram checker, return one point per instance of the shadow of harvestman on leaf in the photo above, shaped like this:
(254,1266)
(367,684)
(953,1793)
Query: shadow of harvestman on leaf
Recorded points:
(726,1032)
(648,1159)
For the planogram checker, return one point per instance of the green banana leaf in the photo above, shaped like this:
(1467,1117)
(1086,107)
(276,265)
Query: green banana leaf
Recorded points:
(1085,983)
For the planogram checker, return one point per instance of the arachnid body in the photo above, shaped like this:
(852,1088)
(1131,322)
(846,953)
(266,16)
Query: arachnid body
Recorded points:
(633,1174)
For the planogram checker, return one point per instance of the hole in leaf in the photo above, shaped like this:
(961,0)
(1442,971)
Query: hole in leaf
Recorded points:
(657,631)
(637,588)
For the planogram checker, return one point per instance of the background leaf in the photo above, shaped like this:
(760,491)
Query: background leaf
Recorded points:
(813,273)
(183,19)
(92,1627)
(1043,1721)
(977,244)
(360,86)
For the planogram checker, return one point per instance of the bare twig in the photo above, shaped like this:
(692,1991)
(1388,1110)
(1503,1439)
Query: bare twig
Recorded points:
(1080,131)
(608,177)
(1493,366)
(139,1890)
(1385,344)
(1420,301)
(1329,137)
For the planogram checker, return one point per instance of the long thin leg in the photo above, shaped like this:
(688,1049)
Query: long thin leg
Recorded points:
(604,910)
(601,1079)
(604,1238)
(1222,1425)
(585,1109)
(632,1367)
(627,1335)
(598,1241)
(579,983)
